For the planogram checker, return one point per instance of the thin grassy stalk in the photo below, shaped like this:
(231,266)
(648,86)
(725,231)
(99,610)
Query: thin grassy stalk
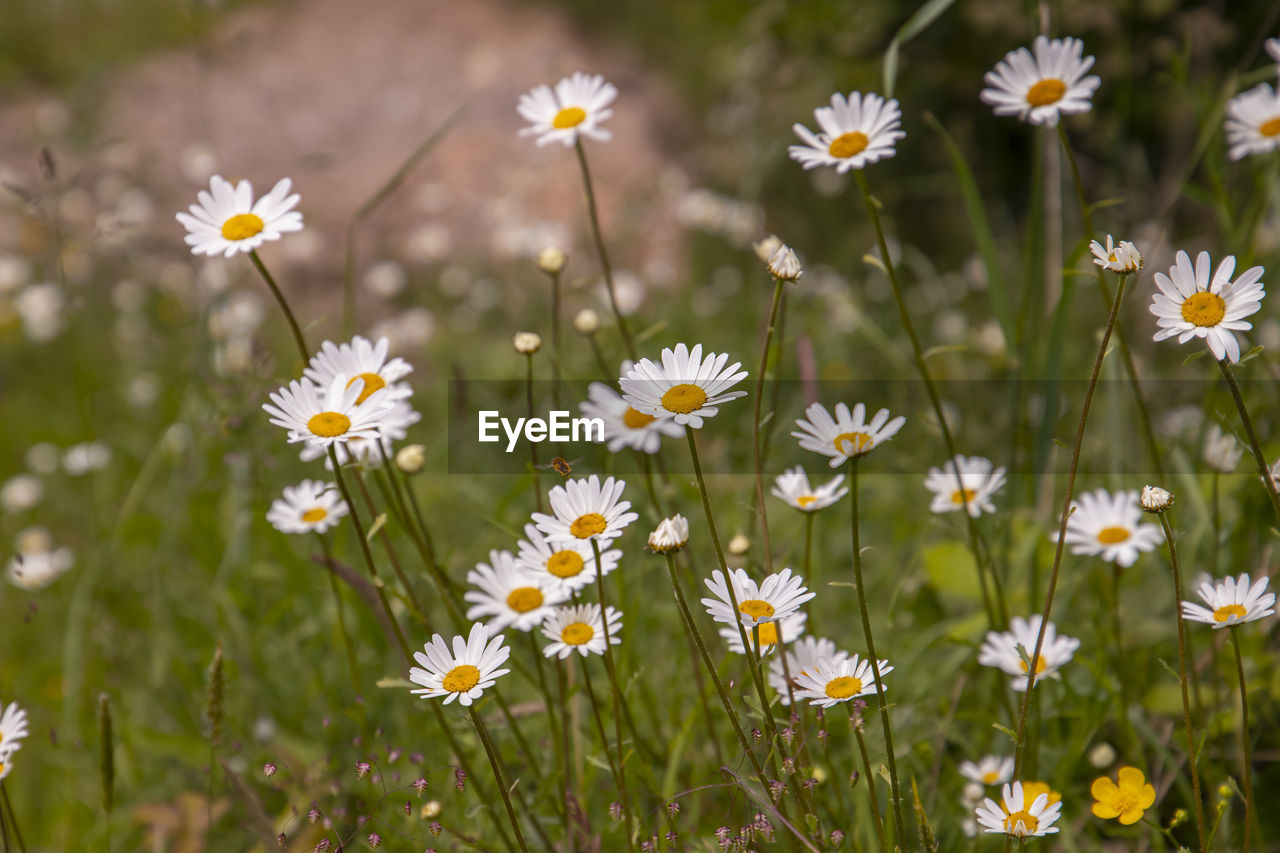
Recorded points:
(498,776)
(353,668)
(808,540)
(298,337)
(756,449)
(13,821)
(555,332)
(566,762)
(1267,480)
(383,537)
(4,828)
(622,713)
(876,819)
(1246,741)
(601,251)
(615,762)
(533,445)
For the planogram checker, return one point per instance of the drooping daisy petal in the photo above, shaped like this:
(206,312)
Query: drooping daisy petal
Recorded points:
(1124,258)
(855,131)
(227,221)
(310,506)
(1000,650)
(1231,601)
(793,487)
(846,435)
(1041,88)
(979,480)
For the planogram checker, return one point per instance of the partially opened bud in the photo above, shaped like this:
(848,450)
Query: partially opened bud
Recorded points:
(784,265)
(527,343)
(410,459)
(1155,499)
(670,535)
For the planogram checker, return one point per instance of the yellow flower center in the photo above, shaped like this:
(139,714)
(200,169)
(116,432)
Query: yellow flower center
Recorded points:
(569,117)
(460,679)
(767,633)
(1021,823)
(1126,799)
(329,424)
(756,609)
(1270,127)
(683,399)
(848,144)
(525,598)
(852,443)
(960,496)
(372,382)
(805,500)
(1113,535)
(1046,92)
(565,564)
(242,226)
(1224,613)
(315,514)
(636,420)
(990,777)
(1204,309)
(1039,665)
(586,526)
(844,687)
(576,633)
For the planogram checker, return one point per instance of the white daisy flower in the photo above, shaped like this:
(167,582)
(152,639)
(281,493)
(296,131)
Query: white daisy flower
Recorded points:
(685,387)
(979,480)
(1253,122)
(1222,451)
(464,673)
(578,628)
(854,132)
(578,105)
(1013,816)
(791,628)
(393,426)
(1110,526)
(36,562)
(1041,88)
(1000,650)
(227,220)
(586,509)
(801,656)
(1190,304)
(624,426)
(793,487)
(13,728)
(1231,602)
(846,435)
(777,597)
(566,566)
(507,596)
(361,361)
(988,770)
(326,417)
(309,506)
(1124,258)
(830,682)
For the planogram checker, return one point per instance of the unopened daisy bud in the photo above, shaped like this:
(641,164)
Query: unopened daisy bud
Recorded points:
(411,459)
(527,343)
(1155,500)
(1123,259)
(1224,791)
(670,535)
(587,321)
(268,769)
(784,265)
(551,260)
(766,247)
(1104,754)
(739,545)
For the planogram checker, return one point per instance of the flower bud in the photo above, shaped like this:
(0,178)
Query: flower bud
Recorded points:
(551,260)
(766,247)
(527,343)
(739,545)
(1155,499)
(670,535)
(784,265)
(411,458)
(587,321)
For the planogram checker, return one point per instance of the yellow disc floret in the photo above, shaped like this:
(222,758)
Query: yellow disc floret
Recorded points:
(683,399)
(1204,309)
(586,526)
(1046,92)
(242,226)
(848,145)
(372,382)
(577,633)
(756,608)
(461,678)
(569,117)
(525,598)
(565,564)
(844,687)
(329,424)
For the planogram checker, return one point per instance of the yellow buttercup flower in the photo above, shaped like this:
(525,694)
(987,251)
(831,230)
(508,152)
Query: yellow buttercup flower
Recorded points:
(1126,800)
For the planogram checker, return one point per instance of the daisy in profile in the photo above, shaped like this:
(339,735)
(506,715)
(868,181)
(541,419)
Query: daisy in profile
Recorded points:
(13,728)
(1231,602)
(793,487)
(1041,88)
(1110,526)
(309,506)
(979,480)
(777,597)
(685,387)
(1000,650)
(853,132)
(463,673)
(846,435)
(988,770)
(1253,122)
(506,596)
(578,105)
(227,220)
(325,417)
(1191,304)
(564,567)
(584,510)
(1124,258)
(361,361)
(624,425)
(766,634)
(1015,816)
(801,656)
(830,682)
(579,628)
(393,426)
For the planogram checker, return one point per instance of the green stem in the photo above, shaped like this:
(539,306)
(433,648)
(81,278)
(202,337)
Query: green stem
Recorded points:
(284,306)
(533,445)
(615,768)
(554,720)
(600,250)
(555,333)
(387,545)
(498,776)
(808,540)
(876,819)
(757,454)
(1254,444)
(352,667)
(13,820)
(1245,739)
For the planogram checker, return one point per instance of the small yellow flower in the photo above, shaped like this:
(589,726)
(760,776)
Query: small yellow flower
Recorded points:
(1127,800)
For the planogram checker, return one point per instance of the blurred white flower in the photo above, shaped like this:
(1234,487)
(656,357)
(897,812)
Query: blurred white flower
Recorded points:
(21,493)
(85,457)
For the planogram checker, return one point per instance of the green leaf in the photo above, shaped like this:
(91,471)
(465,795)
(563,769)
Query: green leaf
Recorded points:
(1252,353)
(916,24)
(952,571)
(376,526)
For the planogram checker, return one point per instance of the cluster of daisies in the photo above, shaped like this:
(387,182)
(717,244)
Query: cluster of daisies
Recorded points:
(13,729)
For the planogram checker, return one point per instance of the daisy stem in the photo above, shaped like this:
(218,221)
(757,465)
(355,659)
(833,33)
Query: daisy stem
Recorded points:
(391,551)
(13,820)
(1192,757)
(533,445)
(876,819)
(554,721)
(284,306)
(778,350)
(357,696)
(615,767)
(621,712)
(1065,515)
(808,540)
(417,532)
(923,368)
(570,707)
(555,332)
(599,357)
(600,249)
(761,510)
(1254,445)
(497,775)
(1245,740)
(1122,668)
(898,820)
(648,483)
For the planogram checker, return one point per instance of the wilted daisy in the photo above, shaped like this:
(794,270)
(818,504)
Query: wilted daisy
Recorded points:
(586,509)
(1040,88)
(13,727)
(685,387)
(670,535)
(1013,816)
(1124,258)
(464,672)
(846,435)
(791,628)
(393,426)
(1126,799)
(325,417)
(1190,304)
(777,597)
(829,682)
(853,132)
(988,770)
(979,480)
(793,487)
(309,506)
(227,220)
(1231,602)
(1222,451)
(508,596)
(361,361)
(566,566)
(578,628)
(37,563)
(1110,526)
(624,426)
(1000,650)
(578,105)
(801,656)
(1253,122)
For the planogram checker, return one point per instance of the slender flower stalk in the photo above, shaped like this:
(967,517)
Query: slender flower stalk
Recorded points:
(601,251)
(411,596)
(876,819)
(1261,460)
(498,775)
(354,670)
(1246,744)
(533,445)
(298,337)
(615,761)
(778,285)
(13,820)
(808,541)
